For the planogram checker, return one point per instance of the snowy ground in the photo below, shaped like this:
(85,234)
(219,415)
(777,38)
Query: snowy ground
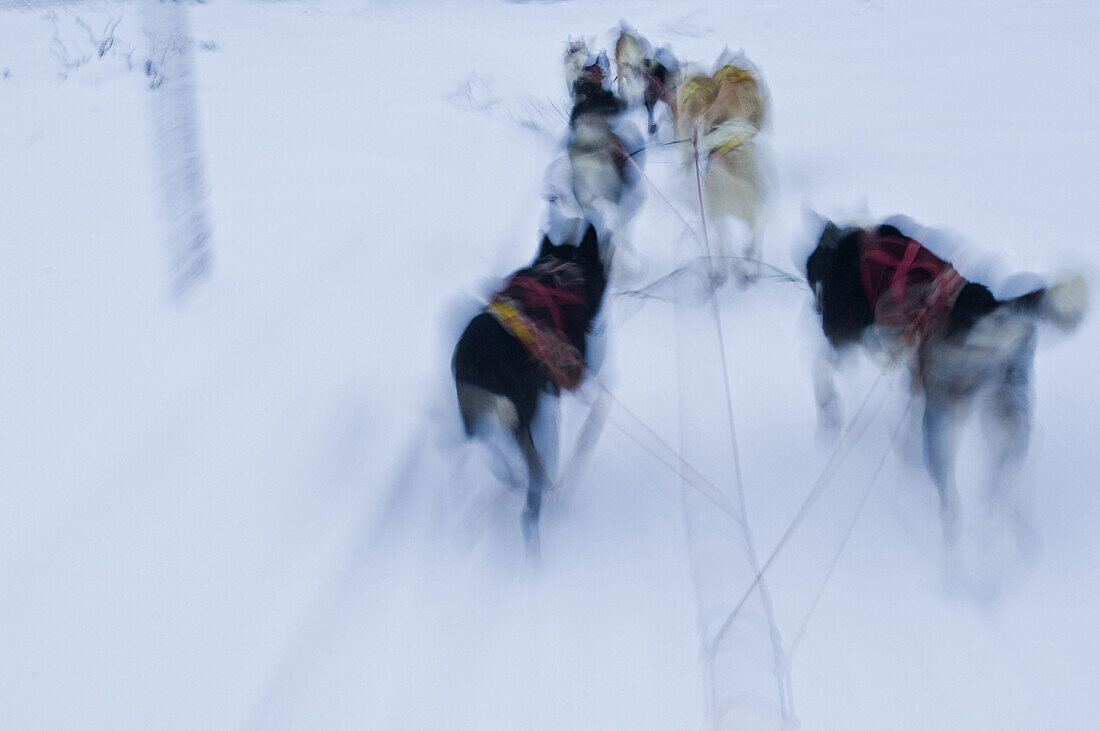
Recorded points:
(250,509)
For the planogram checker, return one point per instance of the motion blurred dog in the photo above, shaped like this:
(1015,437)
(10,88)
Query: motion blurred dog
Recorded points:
(600,144)
(597,177)
(530,342)
(722,115)
(645,75)
(884,290)
(597,155)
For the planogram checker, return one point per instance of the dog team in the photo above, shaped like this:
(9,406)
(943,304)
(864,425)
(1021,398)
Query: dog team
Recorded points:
(877,287)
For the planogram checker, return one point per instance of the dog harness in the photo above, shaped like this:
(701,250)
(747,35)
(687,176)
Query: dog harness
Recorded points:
(906,285)
(545,307)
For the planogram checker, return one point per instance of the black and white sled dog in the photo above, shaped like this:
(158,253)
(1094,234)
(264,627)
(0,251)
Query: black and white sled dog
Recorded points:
(879,288)
(597,178)
(530,342)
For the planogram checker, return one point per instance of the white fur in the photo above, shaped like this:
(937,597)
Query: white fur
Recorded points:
(576,57)
(629,55)
(1066,300)
(479,403)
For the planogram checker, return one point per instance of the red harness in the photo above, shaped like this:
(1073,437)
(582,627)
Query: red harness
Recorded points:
(906,285)
(545,307)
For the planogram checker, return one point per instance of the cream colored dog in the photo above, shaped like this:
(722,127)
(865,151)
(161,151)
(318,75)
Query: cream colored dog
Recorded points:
(722,116)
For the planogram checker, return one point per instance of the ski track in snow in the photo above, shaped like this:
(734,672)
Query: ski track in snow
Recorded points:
(253,509)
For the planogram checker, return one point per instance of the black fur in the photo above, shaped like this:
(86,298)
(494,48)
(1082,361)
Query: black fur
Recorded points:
(974,302)
(833,274)
(592,98)
(656,79)
(492,358)
(832,270)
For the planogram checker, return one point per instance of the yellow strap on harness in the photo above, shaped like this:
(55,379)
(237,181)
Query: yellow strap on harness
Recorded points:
(729,135)
(728,146)
(508,315)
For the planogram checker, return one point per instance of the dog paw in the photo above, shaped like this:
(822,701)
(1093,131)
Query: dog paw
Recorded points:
(717,276)
(828,422)
(747,272)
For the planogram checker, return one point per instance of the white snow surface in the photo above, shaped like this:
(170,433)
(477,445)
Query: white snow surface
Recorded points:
(252,508)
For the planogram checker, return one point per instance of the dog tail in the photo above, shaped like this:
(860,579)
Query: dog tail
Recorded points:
(726,136)
(1063,303)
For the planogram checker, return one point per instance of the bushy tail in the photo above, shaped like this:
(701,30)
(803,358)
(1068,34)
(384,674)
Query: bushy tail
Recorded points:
(1063,304)
(726,136)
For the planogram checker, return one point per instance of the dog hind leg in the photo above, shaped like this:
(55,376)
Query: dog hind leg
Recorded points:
(1006,427)
(828,402)
(529,521)
(940,444)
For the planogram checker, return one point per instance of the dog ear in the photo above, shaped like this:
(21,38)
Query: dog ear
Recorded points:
(818,260)
(545,248)
(816,264)
(590,245)
(830,236)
